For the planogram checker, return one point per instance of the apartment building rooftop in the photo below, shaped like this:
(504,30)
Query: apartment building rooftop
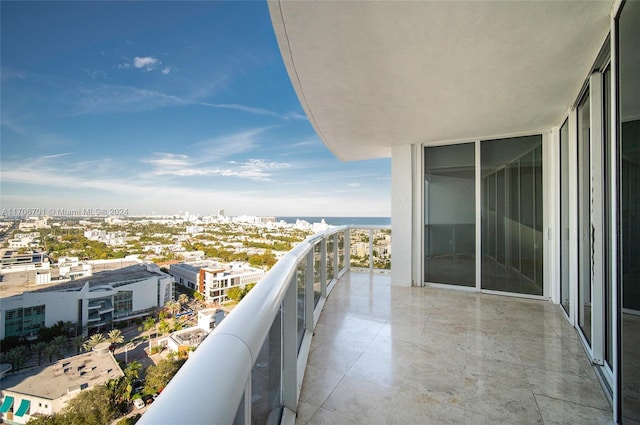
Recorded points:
(66,376)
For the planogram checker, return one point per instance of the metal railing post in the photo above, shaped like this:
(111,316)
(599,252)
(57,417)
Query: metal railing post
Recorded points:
(370,250)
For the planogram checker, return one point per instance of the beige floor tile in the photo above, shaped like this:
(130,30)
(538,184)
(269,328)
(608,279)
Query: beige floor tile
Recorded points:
(386,354)
(560,412)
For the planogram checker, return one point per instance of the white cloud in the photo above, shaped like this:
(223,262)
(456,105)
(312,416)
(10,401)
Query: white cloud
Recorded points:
(166,70)
(101,98)
(164,159)
(259,111)
(148,63)
(230,144)
(95,73)
(354,185)
(58,155)
(295,116)
(179,165)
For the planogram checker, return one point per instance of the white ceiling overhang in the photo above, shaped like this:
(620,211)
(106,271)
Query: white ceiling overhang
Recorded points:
(371,75)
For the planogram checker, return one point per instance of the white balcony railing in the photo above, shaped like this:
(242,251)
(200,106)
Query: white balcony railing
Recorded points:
(249,370)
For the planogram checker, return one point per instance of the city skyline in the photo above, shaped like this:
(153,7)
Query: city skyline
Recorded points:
(164,106)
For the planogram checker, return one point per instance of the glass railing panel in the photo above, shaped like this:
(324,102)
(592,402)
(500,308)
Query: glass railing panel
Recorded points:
(266,400)
(341,251)
(300,282)
(359,251)
(330,257)
(382,249)
(370,248)
(317,275)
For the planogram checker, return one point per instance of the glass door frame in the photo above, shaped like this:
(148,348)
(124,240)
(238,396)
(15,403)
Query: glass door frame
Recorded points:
(546,200)
(602,231)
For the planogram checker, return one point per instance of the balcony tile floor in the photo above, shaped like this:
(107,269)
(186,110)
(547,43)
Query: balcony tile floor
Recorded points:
(385,354)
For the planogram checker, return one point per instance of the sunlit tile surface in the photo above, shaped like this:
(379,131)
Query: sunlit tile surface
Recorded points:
(384,354)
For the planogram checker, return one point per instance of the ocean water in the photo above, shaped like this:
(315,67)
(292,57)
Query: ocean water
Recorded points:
(342,221)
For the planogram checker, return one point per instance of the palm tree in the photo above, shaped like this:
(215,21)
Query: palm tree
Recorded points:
(77,342)
(93,340)
(115,336)
(173,307)
(176,326)
(17,356)
(52,350)
(39,348)
(60,341)
(183,299)
(164,327)
(132,371)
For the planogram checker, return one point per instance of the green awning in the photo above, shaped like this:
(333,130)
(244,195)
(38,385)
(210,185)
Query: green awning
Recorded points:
(24,406)
(6,404)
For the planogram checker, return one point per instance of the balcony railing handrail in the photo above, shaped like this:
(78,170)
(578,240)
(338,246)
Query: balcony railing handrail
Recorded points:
(233,348)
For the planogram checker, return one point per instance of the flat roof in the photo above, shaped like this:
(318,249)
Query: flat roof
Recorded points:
(55,380)
(18,282)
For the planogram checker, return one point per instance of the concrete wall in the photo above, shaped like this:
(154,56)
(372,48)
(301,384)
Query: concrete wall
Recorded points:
(402,160)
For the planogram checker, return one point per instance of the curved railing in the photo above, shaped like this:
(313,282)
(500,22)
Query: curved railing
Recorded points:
(250,368)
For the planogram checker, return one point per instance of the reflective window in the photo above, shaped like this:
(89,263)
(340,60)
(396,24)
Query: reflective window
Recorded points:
(629,206)
(512,214)
(450,241)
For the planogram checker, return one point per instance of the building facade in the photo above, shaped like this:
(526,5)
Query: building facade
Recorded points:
(91,303)
(45,390)
(213,280)
(513,130)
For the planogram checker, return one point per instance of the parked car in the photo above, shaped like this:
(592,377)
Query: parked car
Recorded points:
(139,403)
(137,385)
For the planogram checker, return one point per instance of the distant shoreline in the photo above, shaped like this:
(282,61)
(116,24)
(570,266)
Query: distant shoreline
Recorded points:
(341,221)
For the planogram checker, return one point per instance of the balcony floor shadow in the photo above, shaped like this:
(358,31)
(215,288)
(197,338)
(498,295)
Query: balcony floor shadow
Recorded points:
(384,354)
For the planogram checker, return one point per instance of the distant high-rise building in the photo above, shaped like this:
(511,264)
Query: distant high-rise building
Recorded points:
(220,213)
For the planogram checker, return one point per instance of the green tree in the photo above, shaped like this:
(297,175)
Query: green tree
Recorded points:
(115,336)
(91,407)
(39,348)
(176,325)
(183,299)
(17,357)
(60,341)
(77,342)
(132,371)
(93,340)
(173,307)
(235,293)
(158,376)
(52,350)
(164,327)
(149,323)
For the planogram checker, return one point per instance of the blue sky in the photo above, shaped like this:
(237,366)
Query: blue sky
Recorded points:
(164,107)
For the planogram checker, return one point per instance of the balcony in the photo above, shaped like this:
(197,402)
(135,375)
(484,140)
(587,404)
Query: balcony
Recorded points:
(390,354)
(381,353)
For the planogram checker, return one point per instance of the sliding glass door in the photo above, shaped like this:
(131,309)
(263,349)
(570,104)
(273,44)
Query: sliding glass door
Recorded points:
(629,207)
(507,175)
(585,229)
(512,215)
(449,220)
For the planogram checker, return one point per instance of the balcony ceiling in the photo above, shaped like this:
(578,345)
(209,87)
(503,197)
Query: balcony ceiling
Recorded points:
(371,75)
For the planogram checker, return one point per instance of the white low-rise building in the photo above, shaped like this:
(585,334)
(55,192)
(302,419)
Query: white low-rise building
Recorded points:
(45,390)
(213,279)
(92,303)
